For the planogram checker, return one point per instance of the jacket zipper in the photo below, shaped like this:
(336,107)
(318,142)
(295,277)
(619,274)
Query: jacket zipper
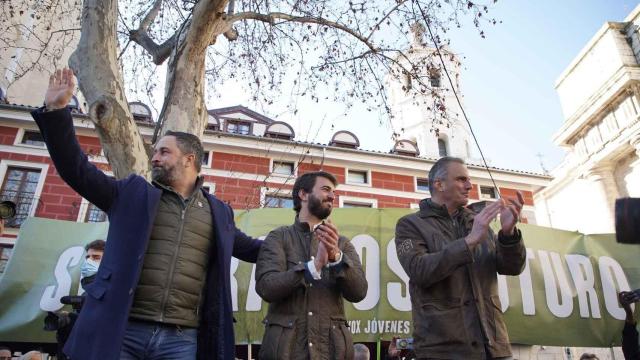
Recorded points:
(456,225)
(167,287)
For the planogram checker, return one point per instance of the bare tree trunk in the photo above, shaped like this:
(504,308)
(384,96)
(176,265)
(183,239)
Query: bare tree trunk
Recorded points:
(184,107)
(95,64)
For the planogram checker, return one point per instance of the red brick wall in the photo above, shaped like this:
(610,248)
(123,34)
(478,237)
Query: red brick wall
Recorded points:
(90,145)
(336,171)
(58,201)
(384,201)
(390,181)
(474,193)
(240,163)
(8,135)
(511,193)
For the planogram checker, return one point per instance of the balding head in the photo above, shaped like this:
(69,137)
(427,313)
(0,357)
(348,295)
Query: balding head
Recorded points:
(360,352)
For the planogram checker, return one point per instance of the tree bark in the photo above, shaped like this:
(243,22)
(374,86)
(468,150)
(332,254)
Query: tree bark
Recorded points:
(96,66)
(184,107)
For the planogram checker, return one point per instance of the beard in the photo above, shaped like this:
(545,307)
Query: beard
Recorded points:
(316,209)
(165,174)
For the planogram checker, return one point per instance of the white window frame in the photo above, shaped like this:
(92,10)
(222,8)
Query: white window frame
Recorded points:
(84,204)
(44,170)
(293,166)
(273,192)
(368,172)
(82,212)
(484,197)
(532,210)
(209,160)
(358,200)
(447,149)
(415,184)
(211,185)
(20,137)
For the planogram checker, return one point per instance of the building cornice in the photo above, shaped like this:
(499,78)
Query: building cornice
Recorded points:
(320,153)
(617,84)
(587,48)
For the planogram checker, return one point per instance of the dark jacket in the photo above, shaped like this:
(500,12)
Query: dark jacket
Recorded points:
(131,205)
(447,280)
(306,317)
(175,263)
(630,341)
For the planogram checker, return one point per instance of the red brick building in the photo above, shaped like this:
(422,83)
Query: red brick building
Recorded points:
(251,161)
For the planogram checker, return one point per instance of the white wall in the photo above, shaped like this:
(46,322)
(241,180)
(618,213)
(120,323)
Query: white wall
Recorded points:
(600,60)
(577,206)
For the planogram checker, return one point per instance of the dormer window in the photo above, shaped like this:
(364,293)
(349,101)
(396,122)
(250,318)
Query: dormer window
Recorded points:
(140,112)
(212,123)
(279,130)
(406,148)
(74,105)
(238,127)
(345,139)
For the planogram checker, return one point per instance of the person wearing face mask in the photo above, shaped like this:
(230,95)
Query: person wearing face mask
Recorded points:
(94,251)
(304,271)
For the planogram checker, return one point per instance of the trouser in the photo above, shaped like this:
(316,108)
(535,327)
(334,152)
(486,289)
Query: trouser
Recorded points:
(145,340)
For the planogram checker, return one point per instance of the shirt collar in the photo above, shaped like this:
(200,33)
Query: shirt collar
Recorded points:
(301,226)
(199,182)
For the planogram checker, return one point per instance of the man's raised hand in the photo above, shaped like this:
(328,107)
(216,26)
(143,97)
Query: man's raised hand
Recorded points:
(60,91)
(510,214)
(481,223)
(328,235)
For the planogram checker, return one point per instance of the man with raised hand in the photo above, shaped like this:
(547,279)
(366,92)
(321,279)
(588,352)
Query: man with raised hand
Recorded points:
(452,258)
(304,272)
(163,287)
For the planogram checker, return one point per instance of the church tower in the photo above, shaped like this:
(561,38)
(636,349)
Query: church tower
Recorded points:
(424,109)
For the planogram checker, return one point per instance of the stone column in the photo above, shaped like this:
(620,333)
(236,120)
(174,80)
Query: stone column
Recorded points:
(632,175)
(635,143)
(602,175)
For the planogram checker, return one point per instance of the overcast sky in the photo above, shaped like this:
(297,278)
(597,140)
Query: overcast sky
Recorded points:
(507,81)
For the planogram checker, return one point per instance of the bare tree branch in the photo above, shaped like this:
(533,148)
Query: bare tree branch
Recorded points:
(385,17)
(159,52)
(151,16)
(271,18)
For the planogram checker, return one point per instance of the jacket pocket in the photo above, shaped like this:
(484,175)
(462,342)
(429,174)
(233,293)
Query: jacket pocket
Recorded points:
(497,323)
(439,323)
(279,337)
(96,289)
(341,346)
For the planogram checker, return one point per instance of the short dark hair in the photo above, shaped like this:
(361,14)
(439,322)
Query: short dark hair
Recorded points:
(306,182)
(189,144)
(439,169)
(95,245)
(587,356)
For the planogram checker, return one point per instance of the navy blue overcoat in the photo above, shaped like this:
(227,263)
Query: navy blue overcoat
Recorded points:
(131,205)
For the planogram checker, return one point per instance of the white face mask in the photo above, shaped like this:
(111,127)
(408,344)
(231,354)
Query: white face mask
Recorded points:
(89,268)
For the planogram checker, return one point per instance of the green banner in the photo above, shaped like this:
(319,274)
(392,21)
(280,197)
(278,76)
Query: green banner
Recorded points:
(570,283)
